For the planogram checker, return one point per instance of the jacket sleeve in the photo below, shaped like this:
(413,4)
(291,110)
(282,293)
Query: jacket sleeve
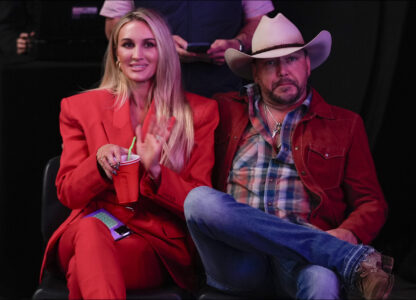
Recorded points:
(174,187)
(362,189)
(78,179)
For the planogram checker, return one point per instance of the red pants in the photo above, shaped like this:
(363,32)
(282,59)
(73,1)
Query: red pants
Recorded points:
(97,267)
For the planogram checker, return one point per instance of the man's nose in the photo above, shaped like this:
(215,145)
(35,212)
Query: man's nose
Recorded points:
(281,69)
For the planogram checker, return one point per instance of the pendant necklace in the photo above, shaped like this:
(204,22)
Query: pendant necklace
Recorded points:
(277,125)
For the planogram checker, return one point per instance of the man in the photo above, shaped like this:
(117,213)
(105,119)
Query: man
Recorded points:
(222,24)
(301,188)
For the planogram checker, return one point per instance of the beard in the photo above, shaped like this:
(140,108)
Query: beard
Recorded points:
(284,99)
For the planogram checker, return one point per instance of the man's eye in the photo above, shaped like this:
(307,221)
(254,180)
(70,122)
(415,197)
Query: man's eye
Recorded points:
(292,58)
(270,63)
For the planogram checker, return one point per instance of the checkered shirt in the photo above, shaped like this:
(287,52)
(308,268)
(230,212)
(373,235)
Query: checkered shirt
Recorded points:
(262,178)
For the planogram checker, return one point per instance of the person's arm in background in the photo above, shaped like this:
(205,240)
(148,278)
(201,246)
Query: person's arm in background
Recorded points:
(12,17)
(18,22)
(113,10)
(24,42)
(253,12)
(7,32)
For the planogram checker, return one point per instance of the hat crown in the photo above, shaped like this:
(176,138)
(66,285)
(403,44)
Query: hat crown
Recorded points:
(272,32)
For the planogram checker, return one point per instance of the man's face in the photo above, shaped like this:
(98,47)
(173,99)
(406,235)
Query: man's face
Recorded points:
(283,80)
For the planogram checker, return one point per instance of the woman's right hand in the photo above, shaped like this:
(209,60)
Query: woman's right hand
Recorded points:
(109,157)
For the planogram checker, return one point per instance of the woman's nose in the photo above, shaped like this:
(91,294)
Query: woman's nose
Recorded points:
(137,52)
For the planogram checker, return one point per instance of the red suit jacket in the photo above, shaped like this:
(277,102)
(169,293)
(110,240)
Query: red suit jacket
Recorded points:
(331,154)
(89,121)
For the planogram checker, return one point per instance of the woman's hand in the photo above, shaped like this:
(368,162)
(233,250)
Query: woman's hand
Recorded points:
(109,157)
(150,148)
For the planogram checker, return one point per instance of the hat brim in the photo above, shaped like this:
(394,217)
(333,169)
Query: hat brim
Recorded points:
(318,51)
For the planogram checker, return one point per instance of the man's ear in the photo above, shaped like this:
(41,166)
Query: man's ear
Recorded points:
(308,64)
(254,70)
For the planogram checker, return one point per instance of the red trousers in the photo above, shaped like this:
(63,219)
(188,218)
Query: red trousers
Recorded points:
(97,267)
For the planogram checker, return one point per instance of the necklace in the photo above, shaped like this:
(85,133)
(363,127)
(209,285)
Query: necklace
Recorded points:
(277,125)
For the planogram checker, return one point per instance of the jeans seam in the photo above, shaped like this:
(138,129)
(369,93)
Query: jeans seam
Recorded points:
(351,262)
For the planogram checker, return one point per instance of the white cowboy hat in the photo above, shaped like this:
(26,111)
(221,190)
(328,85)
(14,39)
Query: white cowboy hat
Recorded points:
(276,37)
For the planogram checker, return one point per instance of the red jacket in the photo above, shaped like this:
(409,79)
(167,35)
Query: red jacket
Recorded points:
(89,121)
(333,159)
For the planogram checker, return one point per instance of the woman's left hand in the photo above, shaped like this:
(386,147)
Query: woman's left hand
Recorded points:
(150,148)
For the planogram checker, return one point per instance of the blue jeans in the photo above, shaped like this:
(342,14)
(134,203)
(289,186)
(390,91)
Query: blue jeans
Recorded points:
(246,251)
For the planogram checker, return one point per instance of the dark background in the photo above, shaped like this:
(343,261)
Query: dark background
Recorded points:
(370,71)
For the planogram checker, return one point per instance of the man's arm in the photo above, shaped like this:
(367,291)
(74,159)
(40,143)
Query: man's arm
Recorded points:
(113,10)
(362,189)
(218,47)
(253,12)
(109,25)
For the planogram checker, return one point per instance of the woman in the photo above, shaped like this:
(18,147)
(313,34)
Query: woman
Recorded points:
(141,85)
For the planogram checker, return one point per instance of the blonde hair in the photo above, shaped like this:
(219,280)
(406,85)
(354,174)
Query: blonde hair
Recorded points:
(166,90)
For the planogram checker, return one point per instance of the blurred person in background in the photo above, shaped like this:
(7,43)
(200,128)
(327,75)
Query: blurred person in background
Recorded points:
(222,24)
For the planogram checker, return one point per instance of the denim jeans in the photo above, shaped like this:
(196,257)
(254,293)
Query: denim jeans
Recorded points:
(245,250)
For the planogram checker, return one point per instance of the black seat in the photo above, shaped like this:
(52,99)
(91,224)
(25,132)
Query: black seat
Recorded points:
(53,285)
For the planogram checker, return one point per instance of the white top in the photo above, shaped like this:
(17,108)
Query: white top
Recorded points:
(118,8)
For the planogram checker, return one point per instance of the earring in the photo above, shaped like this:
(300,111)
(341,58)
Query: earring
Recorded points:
(118,64)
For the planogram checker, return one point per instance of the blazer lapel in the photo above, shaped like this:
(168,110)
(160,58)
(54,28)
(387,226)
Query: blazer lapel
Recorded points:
(117,126)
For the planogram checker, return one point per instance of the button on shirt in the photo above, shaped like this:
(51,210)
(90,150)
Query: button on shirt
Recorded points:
(262,178)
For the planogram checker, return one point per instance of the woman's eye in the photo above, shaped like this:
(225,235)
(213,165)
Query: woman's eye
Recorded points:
(128,44)
(270,63)
(149,44)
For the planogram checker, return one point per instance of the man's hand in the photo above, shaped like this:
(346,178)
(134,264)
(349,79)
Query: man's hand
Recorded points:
(218,47)
(185,56)
(24,42)
(344,234)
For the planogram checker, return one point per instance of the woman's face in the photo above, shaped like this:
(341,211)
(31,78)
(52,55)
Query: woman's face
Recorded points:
(137,52)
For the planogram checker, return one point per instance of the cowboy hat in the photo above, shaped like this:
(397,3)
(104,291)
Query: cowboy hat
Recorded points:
(276,37)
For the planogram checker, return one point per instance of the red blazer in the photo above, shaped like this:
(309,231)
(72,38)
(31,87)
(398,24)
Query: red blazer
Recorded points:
(89,121)
(331,154)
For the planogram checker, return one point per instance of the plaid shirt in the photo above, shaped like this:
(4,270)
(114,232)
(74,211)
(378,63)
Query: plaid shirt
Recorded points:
(262,178)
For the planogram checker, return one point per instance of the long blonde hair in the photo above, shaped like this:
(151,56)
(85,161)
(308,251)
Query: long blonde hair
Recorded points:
(166,90)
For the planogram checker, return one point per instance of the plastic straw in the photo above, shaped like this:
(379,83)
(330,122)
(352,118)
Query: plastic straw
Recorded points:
(131,147)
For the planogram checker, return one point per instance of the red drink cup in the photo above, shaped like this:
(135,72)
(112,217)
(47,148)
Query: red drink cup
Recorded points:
(126,182)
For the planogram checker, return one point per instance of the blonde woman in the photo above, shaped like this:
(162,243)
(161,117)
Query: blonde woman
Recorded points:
(141,85)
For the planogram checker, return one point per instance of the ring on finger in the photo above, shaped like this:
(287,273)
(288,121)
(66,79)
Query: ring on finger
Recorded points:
(158,138)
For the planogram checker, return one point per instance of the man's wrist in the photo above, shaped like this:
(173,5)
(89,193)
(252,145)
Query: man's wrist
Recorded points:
(241,45)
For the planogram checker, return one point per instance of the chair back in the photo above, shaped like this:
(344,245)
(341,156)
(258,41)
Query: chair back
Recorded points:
(53,285)
(54,212)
